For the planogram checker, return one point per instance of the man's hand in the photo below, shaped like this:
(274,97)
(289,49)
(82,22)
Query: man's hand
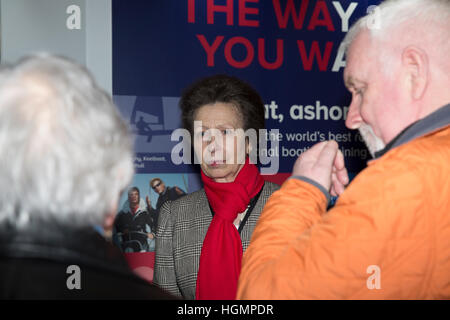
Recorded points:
(147,199)
(323,163)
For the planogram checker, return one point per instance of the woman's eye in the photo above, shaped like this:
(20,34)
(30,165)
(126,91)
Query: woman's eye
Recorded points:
(201,134)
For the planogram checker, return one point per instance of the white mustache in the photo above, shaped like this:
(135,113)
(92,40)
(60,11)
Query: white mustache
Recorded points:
(372,141)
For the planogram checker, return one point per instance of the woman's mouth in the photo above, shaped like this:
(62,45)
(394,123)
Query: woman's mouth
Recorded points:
(216,163)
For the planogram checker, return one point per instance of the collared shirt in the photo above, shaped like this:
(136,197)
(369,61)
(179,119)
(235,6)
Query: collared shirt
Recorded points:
(134,209)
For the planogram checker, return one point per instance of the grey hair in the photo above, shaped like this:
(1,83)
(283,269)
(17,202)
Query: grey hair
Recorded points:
(414,20)
(66,153)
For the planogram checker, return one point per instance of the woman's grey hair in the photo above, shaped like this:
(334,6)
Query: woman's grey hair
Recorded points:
(66,153)
(404,22)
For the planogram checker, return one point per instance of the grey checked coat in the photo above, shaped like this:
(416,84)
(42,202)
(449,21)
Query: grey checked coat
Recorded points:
(182,227)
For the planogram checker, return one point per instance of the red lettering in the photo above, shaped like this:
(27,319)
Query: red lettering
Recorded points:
(314,54)
(283,18)
(243,11)
(321,7)
(261,55)
(250,52)
(210,49)
(211,8)
(191,11)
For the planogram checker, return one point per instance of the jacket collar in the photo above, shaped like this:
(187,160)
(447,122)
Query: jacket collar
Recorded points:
(52,240)
(434,121)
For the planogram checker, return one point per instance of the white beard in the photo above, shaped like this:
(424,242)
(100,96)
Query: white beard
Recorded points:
(372,141)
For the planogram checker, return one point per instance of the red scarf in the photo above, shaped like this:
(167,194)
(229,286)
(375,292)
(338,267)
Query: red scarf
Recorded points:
(221,255)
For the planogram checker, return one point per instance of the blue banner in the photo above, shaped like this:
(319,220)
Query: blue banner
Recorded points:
(288,50)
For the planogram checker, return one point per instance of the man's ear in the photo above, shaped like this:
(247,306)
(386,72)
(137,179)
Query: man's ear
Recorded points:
(415,60)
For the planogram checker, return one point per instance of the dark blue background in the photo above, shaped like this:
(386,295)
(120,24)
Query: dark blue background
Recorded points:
(156,53)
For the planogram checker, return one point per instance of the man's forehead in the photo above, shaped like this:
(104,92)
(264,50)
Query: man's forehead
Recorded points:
(357,59)
(349,77)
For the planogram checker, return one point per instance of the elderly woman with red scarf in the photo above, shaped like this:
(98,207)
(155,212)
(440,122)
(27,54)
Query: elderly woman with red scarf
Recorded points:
(202,236)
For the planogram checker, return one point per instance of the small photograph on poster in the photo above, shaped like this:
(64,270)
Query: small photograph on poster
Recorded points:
(137,218)
(152,121)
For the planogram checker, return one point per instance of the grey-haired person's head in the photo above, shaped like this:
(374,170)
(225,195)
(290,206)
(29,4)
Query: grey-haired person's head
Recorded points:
(395,24)
(66,153)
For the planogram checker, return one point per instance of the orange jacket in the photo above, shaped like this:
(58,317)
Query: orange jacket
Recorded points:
(388,236)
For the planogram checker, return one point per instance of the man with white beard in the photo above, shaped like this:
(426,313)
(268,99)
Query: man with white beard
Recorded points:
(388,236)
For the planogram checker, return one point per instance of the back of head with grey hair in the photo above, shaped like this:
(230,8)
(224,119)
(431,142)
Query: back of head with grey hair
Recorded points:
(66,153)
(406,22)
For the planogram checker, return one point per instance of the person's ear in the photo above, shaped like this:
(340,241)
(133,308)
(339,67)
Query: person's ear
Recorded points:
(108,222)
(415,62)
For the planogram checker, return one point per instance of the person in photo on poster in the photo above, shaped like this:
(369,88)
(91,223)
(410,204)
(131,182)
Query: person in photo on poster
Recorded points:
(133,225)
(164,193)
